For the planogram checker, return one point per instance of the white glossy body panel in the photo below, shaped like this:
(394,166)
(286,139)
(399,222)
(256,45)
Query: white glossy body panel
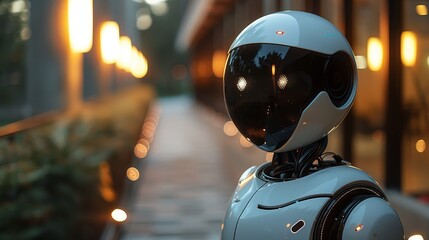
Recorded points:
(297,29)
(291,201)
(368,219)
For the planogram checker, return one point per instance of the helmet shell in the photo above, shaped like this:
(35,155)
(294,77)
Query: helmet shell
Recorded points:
(319,114)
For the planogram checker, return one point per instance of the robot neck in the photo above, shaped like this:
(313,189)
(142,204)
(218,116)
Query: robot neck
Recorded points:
(301,162)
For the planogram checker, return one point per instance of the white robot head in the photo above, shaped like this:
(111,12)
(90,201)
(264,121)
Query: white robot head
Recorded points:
(289,80)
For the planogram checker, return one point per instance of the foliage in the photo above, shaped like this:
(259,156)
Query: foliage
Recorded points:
(50,179)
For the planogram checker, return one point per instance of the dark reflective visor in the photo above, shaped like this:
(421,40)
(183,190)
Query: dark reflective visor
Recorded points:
(268,86)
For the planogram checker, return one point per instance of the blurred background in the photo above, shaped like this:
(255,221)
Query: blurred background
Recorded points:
(113,123)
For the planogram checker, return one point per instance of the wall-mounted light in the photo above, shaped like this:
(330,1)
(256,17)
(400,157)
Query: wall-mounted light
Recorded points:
(408,48)
(218,63)
(374,54)
(139,66)
(109,42)
(143,66)
(421,10)
(80,21)
(125,47)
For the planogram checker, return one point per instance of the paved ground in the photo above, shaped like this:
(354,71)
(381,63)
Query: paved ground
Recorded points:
(188,178)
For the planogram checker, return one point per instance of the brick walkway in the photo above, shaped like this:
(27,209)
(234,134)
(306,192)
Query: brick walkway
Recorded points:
(185,186)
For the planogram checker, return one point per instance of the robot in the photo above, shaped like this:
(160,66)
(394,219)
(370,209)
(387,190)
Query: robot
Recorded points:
(289,80)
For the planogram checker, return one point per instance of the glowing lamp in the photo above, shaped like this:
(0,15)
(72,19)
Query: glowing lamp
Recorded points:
(139,66)
(416,237)
(119,215)
(421,10)
(218,63)
(123,61)
(374,54)
(408,48)
(133,64)
(109,36)
(143,65)
(80,21)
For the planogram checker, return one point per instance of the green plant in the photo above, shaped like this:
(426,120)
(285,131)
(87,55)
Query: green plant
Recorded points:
(49,180)
(51,177)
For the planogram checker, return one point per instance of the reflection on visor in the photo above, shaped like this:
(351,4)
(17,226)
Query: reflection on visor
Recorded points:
(267,87)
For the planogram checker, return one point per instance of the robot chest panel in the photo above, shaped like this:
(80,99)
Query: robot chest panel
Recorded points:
(291,222)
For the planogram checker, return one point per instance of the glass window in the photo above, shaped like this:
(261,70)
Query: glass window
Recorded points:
(33,46)
(415,58)
(14,35)
(370,39)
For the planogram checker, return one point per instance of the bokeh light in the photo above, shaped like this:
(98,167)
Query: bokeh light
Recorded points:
(218,63)
(133,174)
(374,54)
(269,156)
(119,215)
(408,48)
(230,129)
(421,10)
(244,142)
(420,145)
(140,150)
(109,36)
(416,237)
(125,47)
(80,23)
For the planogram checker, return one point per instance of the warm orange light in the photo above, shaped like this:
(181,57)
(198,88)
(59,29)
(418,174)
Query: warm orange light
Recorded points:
(80,21)
(144,65)
(145,142)
(230,129)
(416,237)
(408,48)
(358,227)
(218,63)
(269,156)
(139,65)
(119,215)
(244,142)
(140,150)
(133,174)
(374,54)
(109,36)
(421,146)
(125,48)
(134,58)
(421,10)
(105,186)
